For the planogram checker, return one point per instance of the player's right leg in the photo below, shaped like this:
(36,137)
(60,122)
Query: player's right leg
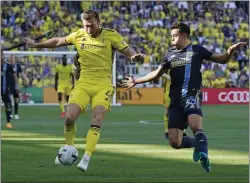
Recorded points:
(73,111)
(7,105)
(177,124)
(78,102)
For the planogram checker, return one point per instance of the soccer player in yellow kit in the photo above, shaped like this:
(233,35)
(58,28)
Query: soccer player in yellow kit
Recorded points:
(64,82)
(95,46)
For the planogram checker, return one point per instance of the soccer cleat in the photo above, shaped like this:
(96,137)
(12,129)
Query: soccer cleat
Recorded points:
(204,161)
(63,114)
(16,116)
(8,125)
(57,161)
(83,164)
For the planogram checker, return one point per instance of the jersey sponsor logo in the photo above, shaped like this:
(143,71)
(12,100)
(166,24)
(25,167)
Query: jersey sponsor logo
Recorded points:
(180,62)
(234,96)
(90,46)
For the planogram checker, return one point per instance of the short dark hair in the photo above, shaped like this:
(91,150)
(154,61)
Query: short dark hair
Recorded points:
(88,14)
(184,28)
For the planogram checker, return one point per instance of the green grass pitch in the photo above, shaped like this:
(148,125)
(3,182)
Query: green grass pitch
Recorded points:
(128,150)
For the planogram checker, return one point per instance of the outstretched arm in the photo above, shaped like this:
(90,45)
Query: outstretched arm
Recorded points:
(50,43)
(130,82)
(132,55)
(224,58)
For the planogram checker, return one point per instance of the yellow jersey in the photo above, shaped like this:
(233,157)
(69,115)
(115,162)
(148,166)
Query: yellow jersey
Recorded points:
(96,54)
(64,74)
(219,83)
(166,82)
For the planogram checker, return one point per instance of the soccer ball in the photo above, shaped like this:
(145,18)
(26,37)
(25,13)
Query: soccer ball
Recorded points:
(67,155)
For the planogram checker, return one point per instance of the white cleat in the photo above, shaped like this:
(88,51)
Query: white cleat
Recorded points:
(57,162)
(83,164)
(16,116)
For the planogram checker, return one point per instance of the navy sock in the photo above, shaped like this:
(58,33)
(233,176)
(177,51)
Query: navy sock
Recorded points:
(201,141)
(7,111)
(16,107)
(10,107)
(188,142)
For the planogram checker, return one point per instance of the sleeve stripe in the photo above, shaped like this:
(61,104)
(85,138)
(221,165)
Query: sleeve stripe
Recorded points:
(67,42)
(123,48)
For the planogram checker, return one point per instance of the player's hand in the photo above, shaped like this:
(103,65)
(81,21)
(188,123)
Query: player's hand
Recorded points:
(129,82)
(29,42)
(232,48)
(138,57)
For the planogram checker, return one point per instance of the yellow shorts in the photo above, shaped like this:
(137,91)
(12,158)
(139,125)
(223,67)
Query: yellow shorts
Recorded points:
(64,89)
(83,94)
(166,99)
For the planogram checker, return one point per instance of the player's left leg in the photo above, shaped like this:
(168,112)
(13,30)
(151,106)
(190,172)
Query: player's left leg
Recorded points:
(194,118)
(7,104)
(16,103)
(101,103)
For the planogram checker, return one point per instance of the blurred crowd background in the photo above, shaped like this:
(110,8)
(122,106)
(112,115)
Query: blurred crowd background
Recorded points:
(145,27)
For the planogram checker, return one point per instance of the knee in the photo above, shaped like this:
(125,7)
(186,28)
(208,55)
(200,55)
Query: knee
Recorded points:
(97,117)
(176,144)
(69,120)
(67,98)
(59,97)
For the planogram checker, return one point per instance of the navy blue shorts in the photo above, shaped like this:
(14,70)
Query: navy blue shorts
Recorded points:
(6,98)
(179,110)
(15,93)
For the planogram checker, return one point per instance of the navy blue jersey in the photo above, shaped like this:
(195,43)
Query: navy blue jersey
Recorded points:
(18,69)
(185,68)
(7,73)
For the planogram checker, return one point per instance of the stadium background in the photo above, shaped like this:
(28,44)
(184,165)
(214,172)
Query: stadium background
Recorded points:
(145,26)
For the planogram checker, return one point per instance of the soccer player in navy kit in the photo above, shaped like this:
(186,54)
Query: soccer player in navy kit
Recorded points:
(7,72)
(184,61)
(14,90)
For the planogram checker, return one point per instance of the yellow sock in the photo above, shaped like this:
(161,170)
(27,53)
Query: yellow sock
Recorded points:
(91,140)
(69,133)
(166,123)
(61,106)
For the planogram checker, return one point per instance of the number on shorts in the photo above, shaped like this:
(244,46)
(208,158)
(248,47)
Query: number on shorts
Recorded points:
(109,95)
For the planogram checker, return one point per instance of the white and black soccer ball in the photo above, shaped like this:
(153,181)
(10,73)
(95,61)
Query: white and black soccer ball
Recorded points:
(68,155)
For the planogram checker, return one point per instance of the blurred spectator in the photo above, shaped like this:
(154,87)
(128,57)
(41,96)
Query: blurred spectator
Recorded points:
(219,82)
(38,83)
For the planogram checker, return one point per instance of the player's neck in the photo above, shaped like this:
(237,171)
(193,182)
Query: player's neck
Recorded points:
(184,45)
(98,33)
